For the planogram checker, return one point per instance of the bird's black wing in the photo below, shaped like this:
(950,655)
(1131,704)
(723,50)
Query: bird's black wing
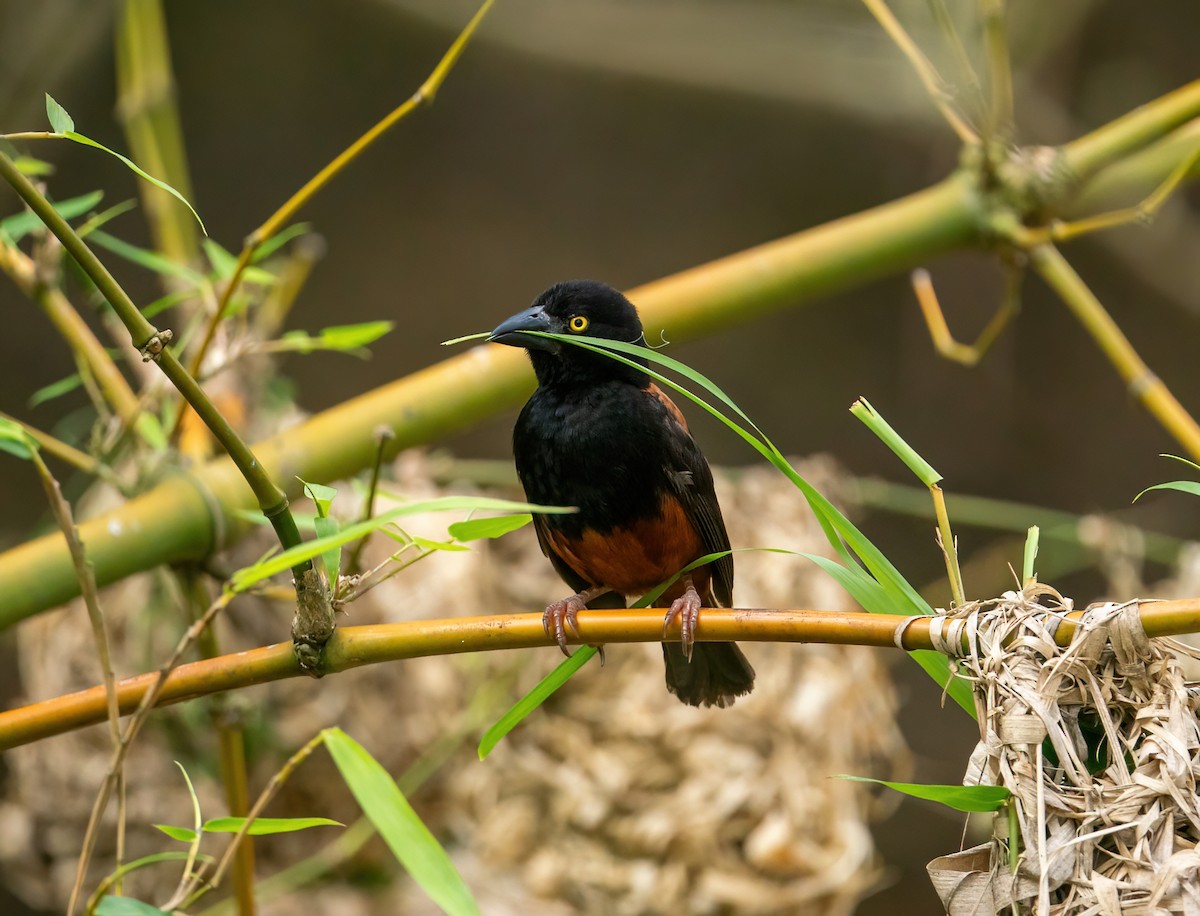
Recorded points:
(692,482)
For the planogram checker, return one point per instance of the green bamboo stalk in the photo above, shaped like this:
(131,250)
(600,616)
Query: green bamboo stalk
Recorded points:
(354,647)
(1143,384)
(153,345)
(192,517)
(146,108)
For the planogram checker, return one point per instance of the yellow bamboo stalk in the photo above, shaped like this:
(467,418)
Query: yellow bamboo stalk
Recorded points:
(353,647)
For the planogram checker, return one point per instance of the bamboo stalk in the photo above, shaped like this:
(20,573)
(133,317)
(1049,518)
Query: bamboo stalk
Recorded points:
(148,112)
(353,647)
(153,344)
(1143,384)
(189,521)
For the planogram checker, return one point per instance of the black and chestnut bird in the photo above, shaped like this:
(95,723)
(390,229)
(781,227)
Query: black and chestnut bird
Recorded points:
(600,435)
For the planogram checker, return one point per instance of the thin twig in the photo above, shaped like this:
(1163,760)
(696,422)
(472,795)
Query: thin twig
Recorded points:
(939,331)
(201,884)
(1143,384)
(91,599)
(148,698)
(423,96)
(935,87)
(383,435)
(231,748)
(1000,115)
(68,454)
(153,345)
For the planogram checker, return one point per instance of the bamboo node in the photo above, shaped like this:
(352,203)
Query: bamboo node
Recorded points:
(153,348)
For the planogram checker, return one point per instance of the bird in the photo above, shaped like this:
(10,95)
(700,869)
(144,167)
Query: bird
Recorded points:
(602,436)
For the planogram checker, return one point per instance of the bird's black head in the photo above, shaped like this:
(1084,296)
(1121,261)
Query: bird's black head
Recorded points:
(579,308)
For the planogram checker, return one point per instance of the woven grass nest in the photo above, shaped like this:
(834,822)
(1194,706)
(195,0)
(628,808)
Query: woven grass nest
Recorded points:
(1098,741)
(614,798)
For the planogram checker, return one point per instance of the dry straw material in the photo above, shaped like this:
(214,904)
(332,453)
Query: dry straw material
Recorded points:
(1098,742)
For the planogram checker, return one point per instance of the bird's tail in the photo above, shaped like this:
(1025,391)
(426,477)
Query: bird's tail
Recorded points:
(717,674)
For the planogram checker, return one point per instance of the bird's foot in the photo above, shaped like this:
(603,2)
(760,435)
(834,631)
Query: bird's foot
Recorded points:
(562,616)
(687,608)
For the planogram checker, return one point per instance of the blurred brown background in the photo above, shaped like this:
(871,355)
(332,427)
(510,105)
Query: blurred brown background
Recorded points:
(625,141)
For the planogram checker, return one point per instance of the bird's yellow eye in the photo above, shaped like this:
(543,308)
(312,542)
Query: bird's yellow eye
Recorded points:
(578,324)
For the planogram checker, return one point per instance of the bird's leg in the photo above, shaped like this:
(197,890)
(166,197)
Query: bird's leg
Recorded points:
(687,608)
(563,615)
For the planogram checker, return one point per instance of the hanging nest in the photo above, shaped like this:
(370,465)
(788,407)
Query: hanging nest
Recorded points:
(1099,743)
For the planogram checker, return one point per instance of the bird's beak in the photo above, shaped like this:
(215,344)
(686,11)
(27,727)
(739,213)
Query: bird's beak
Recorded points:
(532,319)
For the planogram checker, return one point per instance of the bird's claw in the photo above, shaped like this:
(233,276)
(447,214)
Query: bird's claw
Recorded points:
(687,609)
(562,616)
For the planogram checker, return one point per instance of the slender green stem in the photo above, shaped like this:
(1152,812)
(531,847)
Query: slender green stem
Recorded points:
(383,435)
(60,450)
(202,884)
(153,344)
(91,599)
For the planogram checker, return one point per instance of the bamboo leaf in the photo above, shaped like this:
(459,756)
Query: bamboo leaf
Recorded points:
(251,575)
(265,826)
(426,544)
(55,390)
(535,698)
(277,241)
(70,134)
(16,227)
(60,121)
(1183,486)
(151,260)
(14,440)
(348,338)
(321,495)
(326,527)
(405,834)
(34,168)
(183,834)
(477,528)
(960,798)
(125,906)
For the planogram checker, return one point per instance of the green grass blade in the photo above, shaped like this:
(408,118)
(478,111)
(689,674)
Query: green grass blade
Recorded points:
(405,834)
(535,698)
(960,798)
(567,668)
